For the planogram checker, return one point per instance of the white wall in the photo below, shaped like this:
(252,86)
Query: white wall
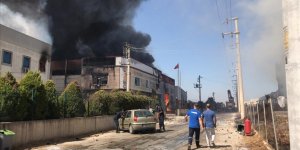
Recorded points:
(29,132)
(22,45)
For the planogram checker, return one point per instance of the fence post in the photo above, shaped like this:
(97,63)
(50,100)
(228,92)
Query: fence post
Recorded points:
(88,108)
(64,101)
(258,121)
(274,127)
(253,114)
(265,120)
(32,111)
(247,111)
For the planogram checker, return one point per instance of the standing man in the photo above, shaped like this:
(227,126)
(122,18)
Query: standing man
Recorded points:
(156,112)
(116,120)
(195,121)
(209,124)
(161,118)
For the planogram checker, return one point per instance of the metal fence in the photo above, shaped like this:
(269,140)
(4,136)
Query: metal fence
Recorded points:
(269,118)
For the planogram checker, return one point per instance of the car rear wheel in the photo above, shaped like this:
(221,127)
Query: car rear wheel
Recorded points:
(153,130)
(131,129)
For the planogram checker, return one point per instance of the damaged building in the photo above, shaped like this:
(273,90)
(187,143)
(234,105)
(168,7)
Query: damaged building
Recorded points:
(107,73)
(110,73)
(20,53)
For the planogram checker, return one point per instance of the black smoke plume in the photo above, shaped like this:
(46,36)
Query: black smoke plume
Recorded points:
(88,28)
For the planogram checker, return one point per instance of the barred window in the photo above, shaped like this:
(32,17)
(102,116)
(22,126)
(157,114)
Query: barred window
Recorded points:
(6,57)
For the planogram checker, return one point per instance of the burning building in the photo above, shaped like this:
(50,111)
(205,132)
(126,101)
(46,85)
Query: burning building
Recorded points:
(167,92)
(106,73)
(20,53)
(110,73)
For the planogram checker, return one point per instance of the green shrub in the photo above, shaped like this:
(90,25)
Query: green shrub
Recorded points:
(9,98)
(71,101)
(52,100)
(33,93)
(99,103)
(107,103)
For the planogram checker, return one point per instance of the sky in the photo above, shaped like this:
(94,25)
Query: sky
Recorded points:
(189,33)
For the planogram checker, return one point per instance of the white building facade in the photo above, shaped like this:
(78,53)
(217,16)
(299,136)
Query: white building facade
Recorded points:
(20,53)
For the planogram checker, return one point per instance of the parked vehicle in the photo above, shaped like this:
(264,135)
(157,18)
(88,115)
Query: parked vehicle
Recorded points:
(138,120)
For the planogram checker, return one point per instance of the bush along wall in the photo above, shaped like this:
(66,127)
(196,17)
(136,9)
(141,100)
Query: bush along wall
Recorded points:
(31,99)
(108,103)
(71,101)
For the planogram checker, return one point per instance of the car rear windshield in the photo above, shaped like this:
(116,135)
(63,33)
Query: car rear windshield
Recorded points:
(142,113)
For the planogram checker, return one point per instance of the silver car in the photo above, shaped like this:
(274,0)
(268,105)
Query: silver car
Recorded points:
(138,120)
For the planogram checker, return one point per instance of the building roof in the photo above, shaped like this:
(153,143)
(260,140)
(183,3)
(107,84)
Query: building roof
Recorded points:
(17,38)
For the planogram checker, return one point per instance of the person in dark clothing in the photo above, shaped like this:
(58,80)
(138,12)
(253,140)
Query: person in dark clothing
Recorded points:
(156,114)
(161,118)
(116,120)
(194,117)
(157,109)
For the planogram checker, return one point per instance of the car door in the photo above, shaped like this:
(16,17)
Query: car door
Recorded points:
(149,117)
(127,120)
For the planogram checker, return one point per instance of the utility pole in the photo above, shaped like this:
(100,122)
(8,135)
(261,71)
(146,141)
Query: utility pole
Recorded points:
(127,55)
(240,87)
(199,86)
(291,24)
(235,88)
(126,52)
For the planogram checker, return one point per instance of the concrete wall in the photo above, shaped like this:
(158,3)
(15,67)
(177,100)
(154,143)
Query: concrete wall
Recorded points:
(28,132)
(59,81)
(144,77)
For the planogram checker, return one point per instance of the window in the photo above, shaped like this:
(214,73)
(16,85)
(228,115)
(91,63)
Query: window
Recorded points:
(137,81)
(26,64)
(42,64)
(128,115)
(103,80)
(147,84)
(142,113)
(100,79)
(6,57)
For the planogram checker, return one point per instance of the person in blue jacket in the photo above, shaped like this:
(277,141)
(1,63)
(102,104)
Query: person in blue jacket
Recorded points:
(194,117)
(209,123)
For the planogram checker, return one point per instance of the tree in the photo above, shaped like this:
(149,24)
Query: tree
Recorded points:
(33,92)
(10,79)
(71,101)
(107,103)
(52,100)
(10,103)
(99,103)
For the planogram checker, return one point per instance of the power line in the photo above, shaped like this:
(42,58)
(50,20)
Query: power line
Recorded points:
(230,9)
(218,12)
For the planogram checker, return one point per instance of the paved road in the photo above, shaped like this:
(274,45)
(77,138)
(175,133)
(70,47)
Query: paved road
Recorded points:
(174,138)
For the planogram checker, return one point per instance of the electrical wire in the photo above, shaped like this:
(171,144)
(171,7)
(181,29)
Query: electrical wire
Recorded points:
(229,27)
